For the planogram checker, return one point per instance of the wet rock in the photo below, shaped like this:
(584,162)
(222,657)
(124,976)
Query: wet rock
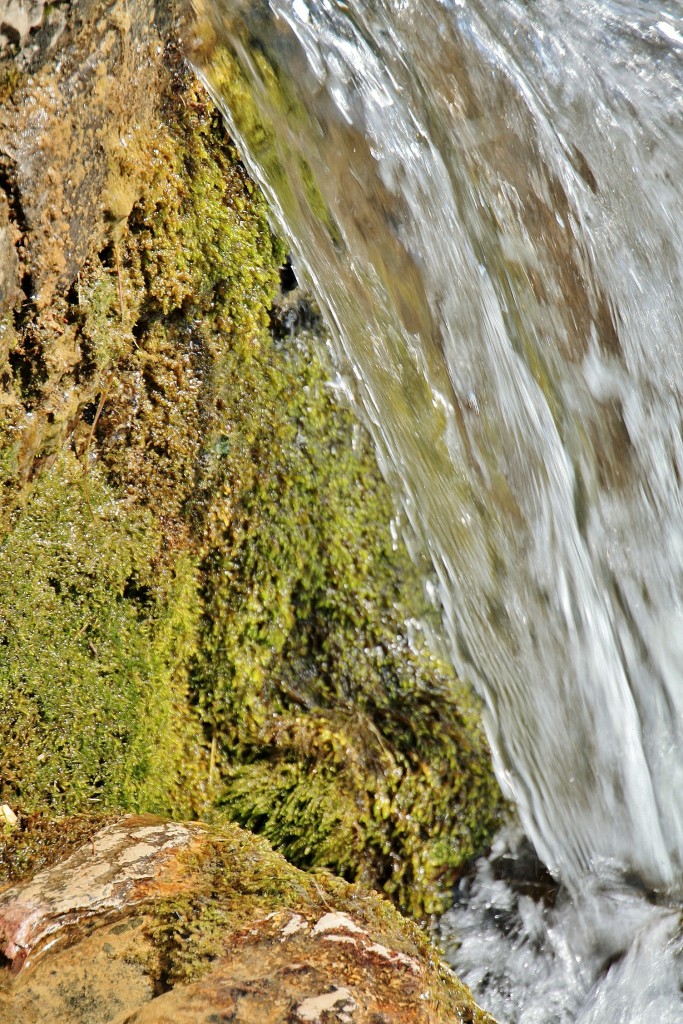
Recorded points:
(17,19)
(210,610)
(286,968)
(118,868)
(67,131)
(153,921)
(91,982)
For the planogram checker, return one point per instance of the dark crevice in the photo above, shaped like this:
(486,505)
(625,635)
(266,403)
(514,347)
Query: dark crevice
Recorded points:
(28,369)
(107,256)
(139,329)
(89,412)
(26,359)
(9,186)
(21,370)
(288,280)
(72,298)
(293,314)
(152,386)
(138,592)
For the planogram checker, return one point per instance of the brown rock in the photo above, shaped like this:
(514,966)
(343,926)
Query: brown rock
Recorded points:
(290,967)
(124,864)
(83,87)
(156,922)
(66,136)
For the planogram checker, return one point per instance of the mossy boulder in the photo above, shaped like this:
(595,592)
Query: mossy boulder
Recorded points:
(156,921)
(205,608)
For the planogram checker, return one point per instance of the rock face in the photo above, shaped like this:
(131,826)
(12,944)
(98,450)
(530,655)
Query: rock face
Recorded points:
(212,610)
(203,607)
(67,131)
(152,921)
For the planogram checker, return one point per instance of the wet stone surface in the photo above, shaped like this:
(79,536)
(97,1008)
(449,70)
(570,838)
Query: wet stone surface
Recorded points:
(92,939)
(121,866)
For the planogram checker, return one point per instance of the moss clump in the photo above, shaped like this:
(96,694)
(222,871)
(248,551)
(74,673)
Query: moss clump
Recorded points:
(198,269)
(92,646)
(345,744)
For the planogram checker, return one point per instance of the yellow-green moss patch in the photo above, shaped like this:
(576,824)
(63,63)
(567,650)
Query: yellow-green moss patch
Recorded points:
(345,743)
(92,644)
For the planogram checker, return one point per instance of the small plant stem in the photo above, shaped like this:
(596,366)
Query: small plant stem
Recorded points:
(98,413)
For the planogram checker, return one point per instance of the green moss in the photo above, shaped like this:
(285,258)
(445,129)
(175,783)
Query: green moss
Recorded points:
(344,744)
(92,645)
(198,265)
(264,133)
(252,123)
(11,78)
(103,331)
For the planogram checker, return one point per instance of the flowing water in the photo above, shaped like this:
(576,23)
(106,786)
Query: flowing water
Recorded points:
(486,196)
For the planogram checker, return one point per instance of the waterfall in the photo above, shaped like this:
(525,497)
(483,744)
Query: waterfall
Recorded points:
(486,198)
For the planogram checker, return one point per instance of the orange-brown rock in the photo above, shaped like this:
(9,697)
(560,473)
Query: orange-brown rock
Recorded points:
(291,967)
(67,132)
(124,864)
(153,922)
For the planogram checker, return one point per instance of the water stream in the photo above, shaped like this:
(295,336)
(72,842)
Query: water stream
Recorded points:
(487,198)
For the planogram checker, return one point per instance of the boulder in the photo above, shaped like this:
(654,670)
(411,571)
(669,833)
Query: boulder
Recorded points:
(152,922)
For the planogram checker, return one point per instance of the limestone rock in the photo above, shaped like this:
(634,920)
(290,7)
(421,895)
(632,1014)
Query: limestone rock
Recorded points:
(9,264)
(294,968)
(118,868)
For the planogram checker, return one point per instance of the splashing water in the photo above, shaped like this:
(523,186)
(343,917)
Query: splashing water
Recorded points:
(533,955)
(486,197)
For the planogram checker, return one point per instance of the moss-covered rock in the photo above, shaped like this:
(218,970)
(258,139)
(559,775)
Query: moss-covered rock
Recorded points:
(340,737)
(203,606)
(36,842)
(155,921)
